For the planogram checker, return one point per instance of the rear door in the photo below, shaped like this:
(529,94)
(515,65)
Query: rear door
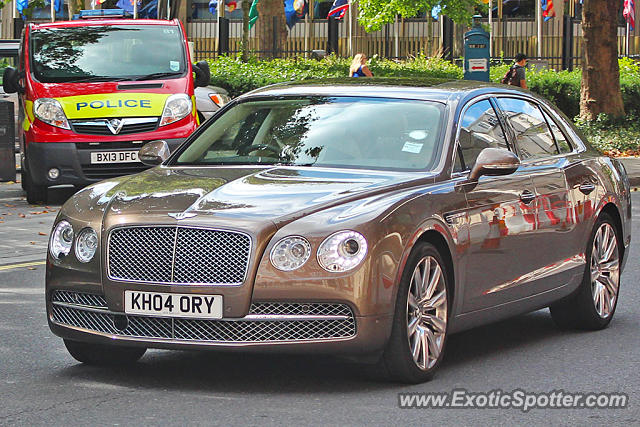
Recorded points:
(501,220)
(543,158)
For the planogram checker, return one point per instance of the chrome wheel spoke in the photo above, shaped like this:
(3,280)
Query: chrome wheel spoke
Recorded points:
(433,281)
(413,303)
(609,284)
(610,266)
(434,349)
(417,344)
(413,326)
(437,301)
(438,325)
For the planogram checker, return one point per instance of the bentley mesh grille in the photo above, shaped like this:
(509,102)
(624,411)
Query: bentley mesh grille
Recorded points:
(180,255)
(338,322)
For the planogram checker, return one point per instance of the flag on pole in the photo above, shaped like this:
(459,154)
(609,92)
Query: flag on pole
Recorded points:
(548,11)
(338,9)
(253,13)
(436,11)
(229,6)
(22,5)
(629,13)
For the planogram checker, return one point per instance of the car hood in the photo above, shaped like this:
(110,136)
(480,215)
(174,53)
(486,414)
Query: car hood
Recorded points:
(232,196)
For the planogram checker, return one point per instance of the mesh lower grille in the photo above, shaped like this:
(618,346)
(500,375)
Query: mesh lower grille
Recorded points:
(222,331)
(179,255)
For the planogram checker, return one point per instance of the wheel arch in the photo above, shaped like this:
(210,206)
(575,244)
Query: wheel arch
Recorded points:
(611,209)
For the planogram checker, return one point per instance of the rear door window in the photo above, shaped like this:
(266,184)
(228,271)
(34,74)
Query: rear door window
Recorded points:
(533,136)
(479,129)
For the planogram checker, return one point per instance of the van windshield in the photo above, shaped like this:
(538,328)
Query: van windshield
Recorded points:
(107,53)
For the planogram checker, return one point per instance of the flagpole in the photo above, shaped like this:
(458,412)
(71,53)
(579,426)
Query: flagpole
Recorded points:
(53,11)
(350,29)
(539,25)
(627,40)
(15,8)
(396,36)
(491,28)
(135,9)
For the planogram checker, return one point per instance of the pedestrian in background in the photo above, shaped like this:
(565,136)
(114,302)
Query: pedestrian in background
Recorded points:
(516,74)
(359,66)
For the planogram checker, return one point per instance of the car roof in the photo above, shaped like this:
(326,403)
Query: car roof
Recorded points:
(432,89)
(95,22)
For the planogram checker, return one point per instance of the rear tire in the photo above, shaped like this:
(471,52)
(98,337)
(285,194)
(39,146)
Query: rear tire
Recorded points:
(103,355)
(418,337)
(592,306)
(35,193)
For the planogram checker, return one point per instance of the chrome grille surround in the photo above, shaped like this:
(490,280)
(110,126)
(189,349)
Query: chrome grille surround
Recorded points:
(178,255)
(127,126)
(266,322)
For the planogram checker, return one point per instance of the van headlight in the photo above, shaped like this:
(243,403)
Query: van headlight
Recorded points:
(290,253)
(342,251)
(61,240)
(177,107)
(86,244)
(50,111)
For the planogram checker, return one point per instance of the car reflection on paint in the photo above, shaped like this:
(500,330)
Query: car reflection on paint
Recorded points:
(363,218)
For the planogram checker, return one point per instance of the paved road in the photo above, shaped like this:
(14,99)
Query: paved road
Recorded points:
(41,384)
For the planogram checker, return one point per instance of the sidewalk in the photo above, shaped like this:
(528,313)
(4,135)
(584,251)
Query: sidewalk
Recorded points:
(632,165)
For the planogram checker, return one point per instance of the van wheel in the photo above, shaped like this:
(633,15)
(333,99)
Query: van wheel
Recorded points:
(416,346)
(35,193)
(594,303)
(103,355)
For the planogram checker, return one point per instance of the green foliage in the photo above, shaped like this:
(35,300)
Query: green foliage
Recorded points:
(613,136)
(238,77)
(373,14)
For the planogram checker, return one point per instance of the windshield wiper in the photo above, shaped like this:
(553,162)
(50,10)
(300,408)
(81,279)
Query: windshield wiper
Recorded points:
(154,76)
(99,79)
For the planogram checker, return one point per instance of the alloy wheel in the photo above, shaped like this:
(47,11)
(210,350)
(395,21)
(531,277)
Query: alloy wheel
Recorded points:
(605,270)
(427,312)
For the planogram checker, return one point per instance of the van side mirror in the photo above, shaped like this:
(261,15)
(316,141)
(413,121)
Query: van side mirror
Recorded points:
(153,153)
(203,74)
(11,81)
(494,162)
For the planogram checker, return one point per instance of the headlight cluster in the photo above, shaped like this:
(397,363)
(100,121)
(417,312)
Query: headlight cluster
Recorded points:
(50,111)
(62,240)
(342,251)
(177,107)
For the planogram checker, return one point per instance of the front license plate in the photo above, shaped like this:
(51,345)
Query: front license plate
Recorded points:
(101,157)
(174,305)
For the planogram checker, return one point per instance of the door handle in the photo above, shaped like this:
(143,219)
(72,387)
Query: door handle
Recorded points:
(527,197)
(587,187)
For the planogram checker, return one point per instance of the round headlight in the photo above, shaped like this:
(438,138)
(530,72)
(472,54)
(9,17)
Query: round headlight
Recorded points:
(342,251)
(290,253)
(61,240)
(86,245)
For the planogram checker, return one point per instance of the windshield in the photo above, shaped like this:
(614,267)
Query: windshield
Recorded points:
(337,132)
(95,53)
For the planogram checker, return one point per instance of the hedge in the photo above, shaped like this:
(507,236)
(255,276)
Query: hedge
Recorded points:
(560,87)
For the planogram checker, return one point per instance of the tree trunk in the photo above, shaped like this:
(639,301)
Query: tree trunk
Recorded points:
(271,41)
(246,5)
(600,90)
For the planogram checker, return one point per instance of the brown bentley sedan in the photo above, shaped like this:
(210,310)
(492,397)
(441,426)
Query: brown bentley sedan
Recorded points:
(362,219)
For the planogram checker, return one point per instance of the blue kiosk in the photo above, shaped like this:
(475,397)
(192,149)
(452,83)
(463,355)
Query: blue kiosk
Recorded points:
(476,53)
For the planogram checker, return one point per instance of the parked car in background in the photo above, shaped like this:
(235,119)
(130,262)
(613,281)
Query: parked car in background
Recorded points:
(210,99)
(370,219)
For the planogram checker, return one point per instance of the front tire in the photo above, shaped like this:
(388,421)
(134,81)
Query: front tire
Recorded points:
(593,305)
(103,355)
(418,337)
(35,193)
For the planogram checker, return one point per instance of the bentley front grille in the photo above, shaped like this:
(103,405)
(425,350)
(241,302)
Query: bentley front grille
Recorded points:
(178,255)
(266,322)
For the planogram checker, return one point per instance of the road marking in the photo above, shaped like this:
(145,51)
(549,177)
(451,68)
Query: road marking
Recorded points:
(21,265)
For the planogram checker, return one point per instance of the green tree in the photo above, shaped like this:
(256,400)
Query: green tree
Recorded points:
(373,14)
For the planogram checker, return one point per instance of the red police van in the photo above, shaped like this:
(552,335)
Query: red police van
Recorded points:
(93,91)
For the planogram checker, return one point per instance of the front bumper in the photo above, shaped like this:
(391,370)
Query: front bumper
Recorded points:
(74,161)
(279,326)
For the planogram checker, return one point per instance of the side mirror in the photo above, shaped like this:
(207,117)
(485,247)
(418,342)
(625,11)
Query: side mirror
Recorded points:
(203,74)
(10,81)
(494,162)
(153,153)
